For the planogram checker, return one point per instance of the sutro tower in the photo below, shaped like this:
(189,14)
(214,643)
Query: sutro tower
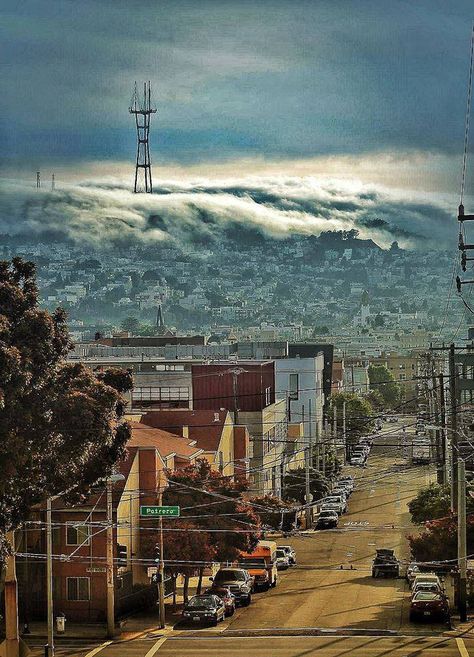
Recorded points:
(143,110)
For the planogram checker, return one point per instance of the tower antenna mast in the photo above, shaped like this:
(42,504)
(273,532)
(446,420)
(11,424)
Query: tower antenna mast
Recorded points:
(142,109)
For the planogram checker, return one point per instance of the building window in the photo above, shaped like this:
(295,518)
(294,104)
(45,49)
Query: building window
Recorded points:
(163,395)
(77,534)
(293,386)
(78,588)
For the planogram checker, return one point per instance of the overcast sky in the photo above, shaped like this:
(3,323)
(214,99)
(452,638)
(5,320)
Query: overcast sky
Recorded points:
(278,80)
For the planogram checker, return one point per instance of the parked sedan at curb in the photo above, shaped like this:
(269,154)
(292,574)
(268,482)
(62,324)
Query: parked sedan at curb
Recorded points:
(206,608)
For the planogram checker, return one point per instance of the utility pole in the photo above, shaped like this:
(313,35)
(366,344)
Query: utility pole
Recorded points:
(161,568)
(110,564)
(442,414)
(307,458)
(462,547)
(38,179)
(12,635)
(454,428)
(49,648)
(344,436)
(326,435)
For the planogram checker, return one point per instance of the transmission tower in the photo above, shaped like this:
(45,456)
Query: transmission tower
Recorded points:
(142,109)
(38,179)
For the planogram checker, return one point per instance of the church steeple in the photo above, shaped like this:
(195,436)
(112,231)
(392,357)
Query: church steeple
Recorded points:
(160,322)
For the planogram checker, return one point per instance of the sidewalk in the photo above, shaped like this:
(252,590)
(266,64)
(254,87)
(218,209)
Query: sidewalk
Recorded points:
(128,628)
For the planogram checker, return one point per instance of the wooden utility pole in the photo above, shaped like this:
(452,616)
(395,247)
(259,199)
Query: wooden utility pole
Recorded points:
(462,545)
(443,432)
(454,428)
(12,646)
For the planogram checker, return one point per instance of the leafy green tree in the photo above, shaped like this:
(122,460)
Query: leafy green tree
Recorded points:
(383,382)
(60,424)
(359,414)
(378,321)
(434,502)
(294,485)
(131,324)
(273,512)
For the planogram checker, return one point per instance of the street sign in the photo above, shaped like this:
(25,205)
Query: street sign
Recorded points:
(152,570)
(96,570)
(160,511)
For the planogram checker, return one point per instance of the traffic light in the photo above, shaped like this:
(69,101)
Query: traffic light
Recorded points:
(121,554)
(157,553)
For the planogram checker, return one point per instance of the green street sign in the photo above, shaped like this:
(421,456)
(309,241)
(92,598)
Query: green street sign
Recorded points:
(160,511)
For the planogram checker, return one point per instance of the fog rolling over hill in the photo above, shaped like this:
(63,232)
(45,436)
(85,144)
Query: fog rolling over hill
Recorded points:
(208,213)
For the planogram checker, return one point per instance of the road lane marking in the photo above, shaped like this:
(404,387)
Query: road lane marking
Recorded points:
(462,648)
(98,649)
(155,647)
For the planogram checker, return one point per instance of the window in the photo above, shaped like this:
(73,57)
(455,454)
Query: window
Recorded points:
(293,386)
(150,395)
(78,588)
(77,534)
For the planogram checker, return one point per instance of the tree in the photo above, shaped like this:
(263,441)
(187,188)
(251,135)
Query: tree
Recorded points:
(383,382)
(229,521)
(359,414)
(60,424)
(438,541)
(379,321)
(294,485)
(434,502)
(185,549)
(130,324)
(273,512)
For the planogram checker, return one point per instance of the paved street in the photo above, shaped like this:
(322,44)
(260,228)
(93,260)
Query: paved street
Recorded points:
(331,589)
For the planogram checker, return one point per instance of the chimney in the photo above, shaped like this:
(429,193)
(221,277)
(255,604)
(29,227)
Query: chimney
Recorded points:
(185,431)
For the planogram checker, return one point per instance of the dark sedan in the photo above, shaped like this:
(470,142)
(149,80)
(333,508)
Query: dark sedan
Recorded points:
(427,605)
(205,608)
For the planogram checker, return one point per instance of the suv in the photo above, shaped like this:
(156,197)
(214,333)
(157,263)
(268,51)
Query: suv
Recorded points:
(237,580)
(385,564)
(337,500)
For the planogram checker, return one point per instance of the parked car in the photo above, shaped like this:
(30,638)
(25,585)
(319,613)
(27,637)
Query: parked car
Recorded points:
(347,481)
(340,490)
(205,608)
(357,460)
(227,598)
(331,506)
(385,563)
(425,604)
(237,580)
(425,578)
(282,561)
(327,519)
(290,553)
(392,418)
(432,587)
(336,500)
(412,571)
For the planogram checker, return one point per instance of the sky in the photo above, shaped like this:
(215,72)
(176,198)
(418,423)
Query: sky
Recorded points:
(366,90)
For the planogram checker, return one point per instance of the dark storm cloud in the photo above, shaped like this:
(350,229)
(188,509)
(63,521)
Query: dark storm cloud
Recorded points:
(207,212)
(282,78)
